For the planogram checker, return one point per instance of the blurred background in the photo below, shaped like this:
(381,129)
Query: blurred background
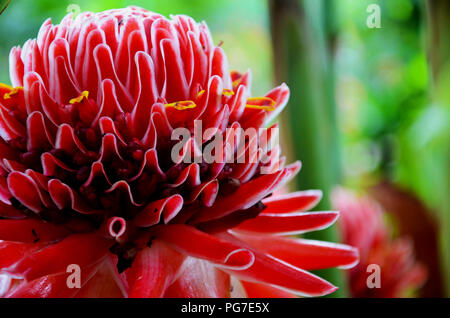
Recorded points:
(369,111)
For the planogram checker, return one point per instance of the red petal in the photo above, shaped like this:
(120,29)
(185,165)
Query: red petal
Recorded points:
(269,270)
(292,202)
(257,290)
(110,106)
(153,270)
(30,231)
(193,242)
(12,252)
(51,286)
(67,140)
(289,223)
(80,249)
(38,136)
(199,279)
(106,70)
(219,67)
(305,254)
(148,93)
(7,211)
(104,283)
(116,227)
(246,195)
(280,95)
(16,67)
(151,214)
(24,189)
(175,82)
(64,196)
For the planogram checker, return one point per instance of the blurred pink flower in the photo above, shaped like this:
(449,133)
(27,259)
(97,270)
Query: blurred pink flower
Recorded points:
(362,225)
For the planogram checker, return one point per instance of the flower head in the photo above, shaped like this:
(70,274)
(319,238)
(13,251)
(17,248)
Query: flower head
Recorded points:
(363,226)
(88,177)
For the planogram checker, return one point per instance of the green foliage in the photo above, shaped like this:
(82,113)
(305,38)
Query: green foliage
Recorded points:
(303,60)
(394,126)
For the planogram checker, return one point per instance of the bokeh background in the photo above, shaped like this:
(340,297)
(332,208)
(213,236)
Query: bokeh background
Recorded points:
(369,109)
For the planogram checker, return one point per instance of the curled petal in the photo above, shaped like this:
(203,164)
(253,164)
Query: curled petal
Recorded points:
(107,126)
(25,190)
(305,254)
(190,175)
(269,270)
(97,171)
(110,106)
(109,149)
(207,192)
(68,141)
(280,95)
(246,195)
(151,214)
(195,243)
(39,137)
(124,187)
(51,165)
(64,196)
(116,227)
(149,163)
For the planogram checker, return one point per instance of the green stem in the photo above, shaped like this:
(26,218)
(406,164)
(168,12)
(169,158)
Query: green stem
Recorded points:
(439,57)
(303,60)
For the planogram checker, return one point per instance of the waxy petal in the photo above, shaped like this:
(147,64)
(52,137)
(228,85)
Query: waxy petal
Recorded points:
(195,243)
(305,254)
(153,271)
(80,249)
(289,223)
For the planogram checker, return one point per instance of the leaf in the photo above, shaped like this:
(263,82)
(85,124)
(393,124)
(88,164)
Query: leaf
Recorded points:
(3,5)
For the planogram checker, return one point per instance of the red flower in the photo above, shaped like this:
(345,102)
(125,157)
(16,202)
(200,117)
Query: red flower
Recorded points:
(87,176)
(362,225)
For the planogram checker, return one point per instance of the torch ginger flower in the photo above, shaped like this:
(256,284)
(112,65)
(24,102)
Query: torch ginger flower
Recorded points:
(362,225)
(87,178)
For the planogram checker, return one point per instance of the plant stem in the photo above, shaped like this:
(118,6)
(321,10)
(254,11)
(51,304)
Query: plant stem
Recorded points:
(303,59)
(439,58)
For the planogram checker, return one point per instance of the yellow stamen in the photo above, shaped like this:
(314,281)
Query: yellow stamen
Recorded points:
(200,94)
(79,99)
(264,103)
(228,92)
(2,85)
(182,105)
(236,83)
(238,78)
(13,91)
